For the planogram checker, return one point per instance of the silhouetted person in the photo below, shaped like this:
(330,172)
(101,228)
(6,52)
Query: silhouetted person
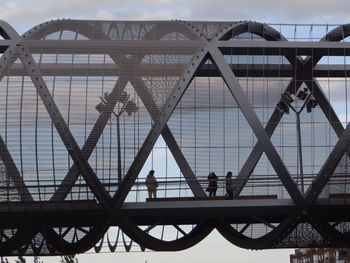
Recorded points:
(152,184)
(229,185)
(213,184)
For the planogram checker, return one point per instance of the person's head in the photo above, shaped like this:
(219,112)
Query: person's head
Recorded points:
(229,174)
(151,172)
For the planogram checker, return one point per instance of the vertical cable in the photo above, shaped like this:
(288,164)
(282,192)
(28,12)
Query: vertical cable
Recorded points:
(224,129)
(124,142)
(20,126)
(136,116)
(36,146)
(166,170)
(6,106)
(195,125)
(281,126)
(86,117)
(254,109)
(346,96)
(68,121)
(52,131)
(101,141)
(346,82)
(298,173)
(6,112)
(110,153)
(86,101)
(181,132)
(313,143)
(209,128)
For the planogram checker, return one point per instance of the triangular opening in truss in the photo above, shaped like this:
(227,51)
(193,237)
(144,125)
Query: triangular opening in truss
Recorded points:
(178,32)
(8,190)
(303,236)
(256,76)
(159,75)
(134,124)
(211,130)
(335,90)
(160,88)
(70,235)
(303,150)
(80,191)
(171,181)
(258,179)
(338,185)
(249,114)
(263,94)
(38,153)
(78,98)
(209,29)
(119,30)
(18,115)
(34,144)
(7,61)
(254,230)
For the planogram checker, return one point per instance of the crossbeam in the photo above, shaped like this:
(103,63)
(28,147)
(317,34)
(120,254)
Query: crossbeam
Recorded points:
(285,48)
(206,70)
(86,213)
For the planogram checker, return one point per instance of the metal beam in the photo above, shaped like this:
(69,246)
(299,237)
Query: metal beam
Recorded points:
(168,137)
(91,142)
(158,127)
(63,130)
(285,48)
(263,138)
(160,70)
(112,46)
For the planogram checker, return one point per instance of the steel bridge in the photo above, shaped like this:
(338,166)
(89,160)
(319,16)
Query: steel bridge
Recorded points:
(89,107)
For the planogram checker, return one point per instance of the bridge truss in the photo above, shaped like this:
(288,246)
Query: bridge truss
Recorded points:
(88,107)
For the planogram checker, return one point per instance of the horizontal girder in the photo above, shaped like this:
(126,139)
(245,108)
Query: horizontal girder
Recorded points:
(206,70)
(284,48)
(86,214)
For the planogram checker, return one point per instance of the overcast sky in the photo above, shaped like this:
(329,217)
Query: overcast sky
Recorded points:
(24,14)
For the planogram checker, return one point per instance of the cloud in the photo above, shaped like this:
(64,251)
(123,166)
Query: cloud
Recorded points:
(27,13)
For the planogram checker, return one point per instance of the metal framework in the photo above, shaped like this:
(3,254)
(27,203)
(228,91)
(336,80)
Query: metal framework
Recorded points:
(88,107)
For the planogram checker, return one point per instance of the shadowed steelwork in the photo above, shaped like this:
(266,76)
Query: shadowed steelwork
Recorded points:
(88,108)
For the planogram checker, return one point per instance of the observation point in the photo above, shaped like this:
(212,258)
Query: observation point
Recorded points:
(89,108)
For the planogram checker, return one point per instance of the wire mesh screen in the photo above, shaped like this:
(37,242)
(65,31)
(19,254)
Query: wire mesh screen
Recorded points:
(132,68)
(90,109)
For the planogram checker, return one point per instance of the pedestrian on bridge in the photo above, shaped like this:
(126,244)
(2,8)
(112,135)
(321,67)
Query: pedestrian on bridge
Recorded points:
(229,185)
(213,184)
(152,184)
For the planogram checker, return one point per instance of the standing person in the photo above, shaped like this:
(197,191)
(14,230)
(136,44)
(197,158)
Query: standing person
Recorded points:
(152,184)
(213,184)
(229,185)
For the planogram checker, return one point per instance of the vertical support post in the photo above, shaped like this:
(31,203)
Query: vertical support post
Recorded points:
(300,151)
(119,152)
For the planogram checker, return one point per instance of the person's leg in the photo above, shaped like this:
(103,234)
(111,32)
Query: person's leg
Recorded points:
(214,192)
(230,194)
(149,194)
(155,193)
(210,193)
